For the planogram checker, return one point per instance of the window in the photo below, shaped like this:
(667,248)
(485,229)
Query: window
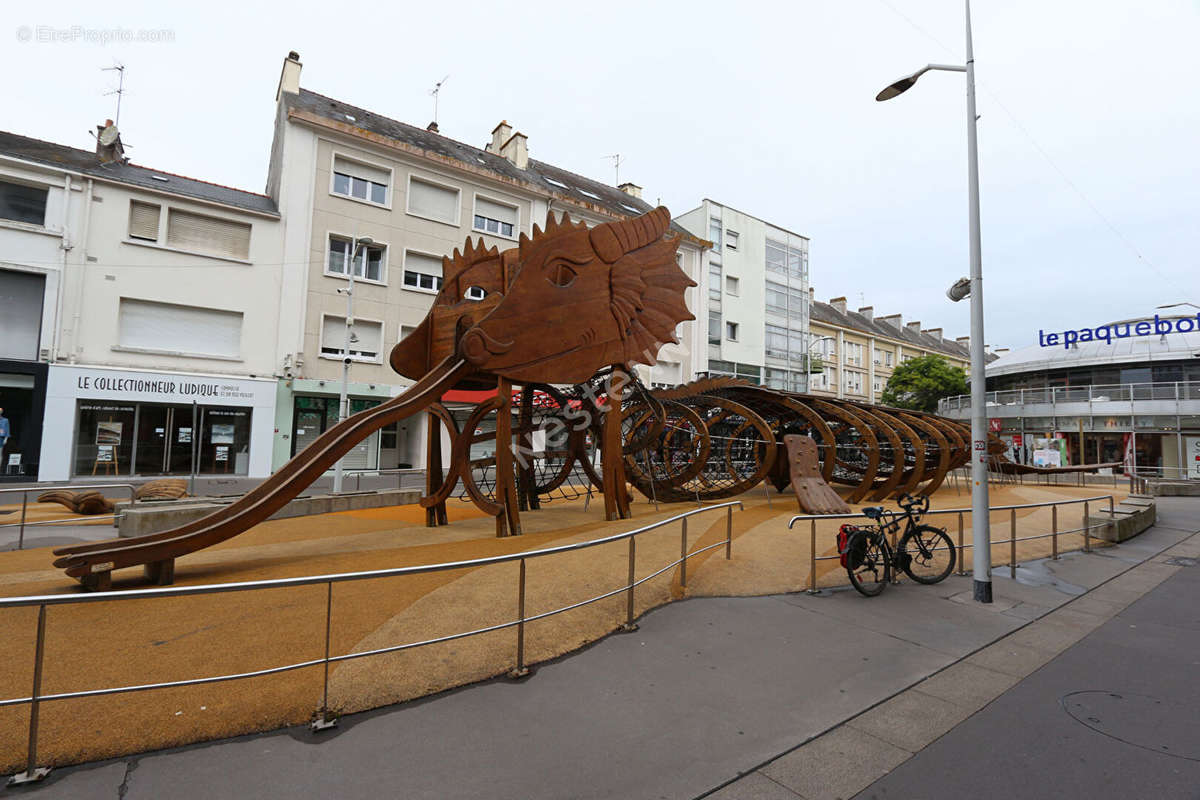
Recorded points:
(361,181)
(854,354)
(714,328)
(23,203)
(366,338)
(776,341)
(731,331)
(887,358)
(731,285)
(854,382)
(493,217)
(786,259)
(21,298)
(191,330)
(714,232)
(220,237)
(422,272)
(714,281)
(143,220)
(731,239)
(777,298)
(368,265)
(877,385)
(406,331)
(432,200)
(819,381)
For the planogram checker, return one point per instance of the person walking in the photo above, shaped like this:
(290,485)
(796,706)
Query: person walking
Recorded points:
(5,432)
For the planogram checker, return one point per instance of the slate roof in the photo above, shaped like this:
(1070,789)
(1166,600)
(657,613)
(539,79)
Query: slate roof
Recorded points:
(88,163)
(824,312)
(545,177)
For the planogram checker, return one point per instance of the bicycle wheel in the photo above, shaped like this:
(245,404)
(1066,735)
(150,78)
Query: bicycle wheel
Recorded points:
(927,554)
(875,572)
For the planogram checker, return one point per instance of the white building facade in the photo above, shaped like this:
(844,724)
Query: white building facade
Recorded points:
(756,308)
(146,313)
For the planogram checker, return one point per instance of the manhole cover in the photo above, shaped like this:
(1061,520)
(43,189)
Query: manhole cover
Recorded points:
(1162,726)
(1182,561)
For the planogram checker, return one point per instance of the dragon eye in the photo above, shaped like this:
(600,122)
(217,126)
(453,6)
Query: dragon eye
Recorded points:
(561,275)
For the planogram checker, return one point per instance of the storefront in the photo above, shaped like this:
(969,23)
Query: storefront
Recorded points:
(126,422)
(22,403)
(306,408)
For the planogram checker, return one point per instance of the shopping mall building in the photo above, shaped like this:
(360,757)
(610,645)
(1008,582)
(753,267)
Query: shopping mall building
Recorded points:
(1127,391)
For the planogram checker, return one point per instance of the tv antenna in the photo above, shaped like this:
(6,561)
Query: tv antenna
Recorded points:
(120,90)
(434,92)
(617,162)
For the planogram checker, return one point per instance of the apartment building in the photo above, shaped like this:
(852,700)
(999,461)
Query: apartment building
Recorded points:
(755,282)
(119,320)
(340,173)
(858,351)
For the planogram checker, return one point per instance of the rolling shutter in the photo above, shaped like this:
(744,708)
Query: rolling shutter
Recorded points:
(370,337)
(143,220)
(496,211)
(364,171)
(419,262)
(431,200)
(221,237)
(179,329)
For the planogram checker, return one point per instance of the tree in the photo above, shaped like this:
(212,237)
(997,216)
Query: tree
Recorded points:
(920,382)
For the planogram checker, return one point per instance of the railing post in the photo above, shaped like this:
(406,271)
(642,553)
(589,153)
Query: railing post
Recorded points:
(1054,533)
(630,625)
(683,555)
(521,670)
(812,557)
(33,772)
(323,720)
(962,555)
(728,532)
(1012,543)
(21,534)
(1087,530)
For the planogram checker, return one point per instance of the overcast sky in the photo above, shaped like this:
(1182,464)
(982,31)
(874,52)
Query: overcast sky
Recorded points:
(766,107)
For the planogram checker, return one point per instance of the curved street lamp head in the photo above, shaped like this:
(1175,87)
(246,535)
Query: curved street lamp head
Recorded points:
(904,84)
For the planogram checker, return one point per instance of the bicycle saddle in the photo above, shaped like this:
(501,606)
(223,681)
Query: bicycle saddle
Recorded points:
(872,512)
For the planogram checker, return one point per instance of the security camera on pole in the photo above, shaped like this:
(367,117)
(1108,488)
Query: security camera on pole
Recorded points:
(980,527)
(344,402)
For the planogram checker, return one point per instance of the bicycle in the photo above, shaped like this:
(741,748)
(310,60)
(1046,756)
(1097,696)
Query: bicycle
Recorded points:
(925,553)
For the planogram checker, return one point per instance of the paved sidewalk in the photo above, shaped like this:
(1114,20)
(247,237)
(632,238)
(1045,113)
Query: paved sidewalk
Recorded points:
(725,697)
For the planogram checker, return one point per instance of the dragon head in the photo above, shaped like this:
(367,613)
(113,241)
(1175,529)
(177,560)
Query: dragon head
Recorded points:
(582,299)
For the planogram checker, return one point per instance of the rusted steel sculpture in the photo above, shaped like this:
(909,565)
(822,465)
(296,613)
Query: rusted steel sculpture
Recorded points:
(566,303)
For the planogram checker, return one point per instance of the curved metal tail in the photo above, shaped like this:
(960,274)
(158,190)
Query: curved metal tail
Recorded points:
(269,496)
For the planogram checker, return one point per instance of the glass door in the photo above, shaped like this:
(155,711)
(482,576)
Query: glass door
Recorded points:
(151,440)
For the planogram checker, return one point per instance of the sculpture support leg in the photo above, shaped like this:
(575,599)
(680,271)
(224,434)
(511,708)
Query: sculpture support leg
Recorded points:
(434,515)
(508,521)
(616,495)
(526,488)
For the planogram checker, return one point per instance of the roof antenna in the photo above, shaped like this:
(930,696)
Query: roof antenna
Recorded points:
(120,90)
(437,88)
(617,162)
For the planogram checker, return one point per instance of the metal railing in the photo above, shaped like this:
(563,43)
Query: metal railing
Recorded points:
(324,718)
(402,473)
(1100,393)
(23,523)
(1085,528)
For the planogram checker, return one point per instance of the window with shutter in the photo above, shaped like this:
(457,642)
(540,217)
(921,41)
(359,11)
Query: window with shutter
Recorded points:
(360,181)
(495,218)
(192,330)
(366,338)
(220,237)
(430,200)
(422,272)
(143,220)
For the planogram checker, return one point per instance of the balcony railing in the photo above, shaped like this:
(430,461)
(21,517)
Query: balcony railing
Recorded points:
(1103,393)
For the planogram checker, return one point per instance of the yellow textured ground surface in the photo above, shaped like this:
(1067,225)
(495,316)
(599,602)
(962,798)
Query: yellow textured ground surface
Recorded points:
(141,641)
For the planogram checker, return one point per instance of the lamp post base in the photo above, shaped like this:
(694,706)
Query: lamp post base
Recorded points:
(983,591)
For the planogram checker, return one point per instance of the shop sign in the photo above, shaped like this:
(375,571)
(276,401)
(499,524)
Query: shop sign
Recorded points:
(995,424)
(1192,448)
(1120,330)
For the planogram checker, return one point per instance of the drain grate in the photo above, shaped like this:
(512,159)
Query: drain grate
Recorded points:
(1162,726)
(1182,561)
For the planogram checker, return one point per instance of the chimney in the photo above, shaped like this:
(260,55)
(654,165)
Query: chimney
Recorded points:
(895,320)
(631,189)
(109,150)
(963,341)
(935,333)
(867,311)
(516,150)
(812,295)
(289,78)
(500,135)
(1000,351)
(839,303)
(915,327)
(432,127)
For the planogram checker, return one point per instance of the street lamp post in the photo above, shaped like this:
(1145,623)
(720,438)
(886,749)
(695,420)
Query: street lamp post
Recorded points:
(344,400)
(980,527)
